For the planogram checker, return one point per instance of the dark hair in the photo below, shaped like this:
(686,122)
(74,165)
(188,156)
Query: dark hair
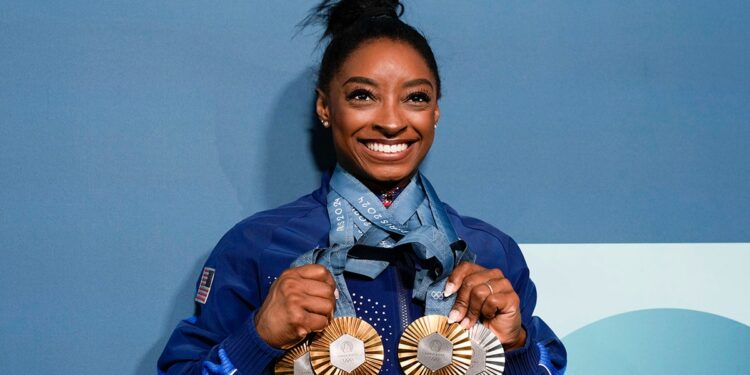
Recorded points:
(349,23)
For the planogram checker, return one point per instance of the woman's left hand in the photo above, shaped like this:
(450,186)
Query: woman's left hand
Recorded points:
(487,295)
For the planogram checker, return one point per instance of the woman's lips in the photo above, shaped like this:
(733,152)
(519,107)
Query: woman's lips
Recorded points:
(386,148)
(387,151)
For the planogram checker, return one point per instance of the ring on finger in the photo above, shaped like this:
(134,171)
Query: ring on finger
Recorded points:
(487,283)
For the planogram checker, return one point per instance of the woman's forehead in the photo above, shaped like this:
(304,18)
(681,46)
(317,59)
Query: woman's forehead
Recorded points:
(385,60)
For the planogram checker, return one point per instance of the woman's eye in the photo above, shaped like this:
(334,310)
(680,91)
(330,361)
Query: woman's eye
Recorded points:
(419,97)
(359,95)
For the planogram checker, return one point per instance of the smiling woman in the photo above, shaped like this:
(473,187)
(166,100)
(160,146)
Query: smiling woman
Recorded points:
(371,273)
(382,108)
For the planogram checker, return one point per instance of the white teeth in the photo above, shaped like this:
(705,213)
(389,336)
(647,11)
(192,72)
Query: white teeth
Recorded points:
(388,149)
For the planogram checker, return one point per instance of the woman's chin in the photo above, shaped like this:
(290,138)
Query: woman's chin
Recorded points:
(390,176)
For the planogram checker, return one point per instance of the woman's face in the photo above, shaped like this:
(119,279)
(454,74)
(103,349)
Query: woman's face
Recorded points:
(382,108)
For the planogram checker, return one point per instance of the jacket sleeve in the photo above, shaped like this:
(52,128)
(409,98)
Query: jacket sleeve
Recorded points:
(543,353)
(221,337)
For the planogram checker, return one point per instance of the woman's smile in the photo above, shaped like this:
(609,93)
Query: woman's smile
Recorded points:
(387,148)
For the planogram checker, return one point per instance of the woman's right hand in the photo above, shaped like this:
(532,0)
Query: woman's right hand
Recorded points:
(300,301)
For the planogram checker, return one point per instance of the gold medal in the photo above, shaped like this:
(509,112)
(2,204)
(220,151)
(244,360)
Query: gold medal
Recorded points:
(432,346)
(296,361)
(488,356)
(348,345)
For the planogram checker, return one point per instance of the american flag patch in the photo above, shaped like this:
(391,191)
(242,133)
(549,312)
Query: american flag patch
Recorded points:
(207,278)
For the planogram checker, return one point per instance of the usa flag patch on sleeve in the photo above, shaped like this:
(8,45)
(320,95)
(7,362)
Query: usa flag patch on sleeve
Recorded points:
(207,279)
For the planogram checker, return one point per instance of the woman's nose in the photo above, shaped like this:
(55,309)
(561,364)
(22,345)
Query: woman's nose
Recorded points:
(390,120)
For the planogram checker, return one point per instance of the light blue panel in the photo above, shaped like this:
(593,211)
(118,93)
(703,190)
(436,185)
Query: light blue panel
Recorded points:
(660,341)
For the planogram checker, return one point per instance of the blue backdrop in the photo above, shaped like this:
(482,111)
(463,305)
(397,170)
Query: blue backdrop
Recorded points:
(133,134)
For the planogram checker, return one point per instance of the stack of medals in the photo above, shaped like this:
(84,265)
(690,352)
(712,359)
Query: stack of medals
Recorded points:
(429,345)
(348,345)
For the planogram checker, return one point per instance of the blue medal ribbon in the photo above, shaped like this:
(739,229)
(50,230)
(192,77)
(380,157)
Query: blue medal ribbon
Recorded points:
(416,218)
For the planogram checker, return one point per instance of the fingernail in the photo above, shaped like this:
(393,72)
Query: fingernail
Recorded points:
(453,316)
(450,288)
(336,293)
(465,323)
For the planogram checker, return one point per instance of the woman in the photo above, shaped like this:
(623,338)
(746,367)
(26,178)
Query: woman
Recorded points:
(378,91)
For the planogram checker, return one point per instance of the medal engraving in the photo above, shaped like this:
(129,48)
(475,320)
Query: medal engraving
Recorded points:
(348,345)
(477,359)
(347,353)
(435,351)
(302,365)
(489,357)
(431,345)
(296,361)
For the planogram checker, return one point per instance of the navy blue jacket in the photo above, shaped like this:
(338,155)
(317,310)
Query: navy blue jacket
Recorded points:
(250,256)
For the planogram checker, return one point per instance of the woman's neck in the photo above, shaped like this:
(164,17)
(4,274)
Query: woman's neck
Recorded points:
(387,192)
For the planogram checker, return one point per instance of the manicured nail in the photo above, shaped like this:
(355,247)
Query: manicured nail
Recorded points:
(450,288)
(336,293)
(453,316)
(465,323)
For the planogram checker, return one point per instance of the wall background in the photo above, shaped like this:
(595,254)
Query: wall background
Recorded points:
(609,138)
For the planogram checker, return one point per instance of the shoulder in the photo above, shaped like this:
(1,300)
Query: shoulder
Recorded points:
(265,222)
(291,226)
(492,246)
(475,227)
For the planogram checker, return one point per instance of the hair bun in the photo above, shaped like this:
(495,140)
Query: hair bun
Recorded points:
(339,15)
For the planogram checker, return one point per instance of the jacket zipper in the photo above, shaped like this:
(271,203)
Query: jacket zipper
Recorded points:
(403,300)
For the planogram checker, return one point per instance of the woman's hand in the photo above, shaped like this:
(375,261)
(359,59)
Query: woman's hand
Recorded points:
(486,294)
(300,301)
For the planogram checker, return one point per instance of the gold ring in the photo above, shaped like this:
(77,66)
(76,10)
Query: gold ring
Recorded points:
(492,291)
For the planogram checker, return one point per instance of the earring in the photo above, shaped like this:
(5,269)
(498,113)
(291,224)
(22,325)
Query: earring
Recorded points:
(435,125)
(325,123)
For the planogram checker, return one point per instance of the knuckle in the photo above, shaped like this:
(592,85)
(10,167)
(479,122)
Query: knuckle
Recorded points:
(473,267)
(287,289)
(320,272)
(461,268)
(293,299)
(469,283)
(316,268)
(291,283)
(289,272)
(495,299)
(297,318)
(283,281)
(325,289)
(515,300)
(302,332)
(320,323)
(479,293)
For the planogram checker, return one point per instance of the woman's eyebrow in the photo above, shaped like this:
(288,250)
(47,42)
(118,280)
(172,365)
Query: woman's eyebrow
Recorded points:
(363,80)
(371,82)
(418,82)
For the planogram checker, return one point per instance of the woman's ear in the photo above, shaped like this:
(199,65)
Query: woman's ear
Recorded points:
(437,114)
(321,107)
